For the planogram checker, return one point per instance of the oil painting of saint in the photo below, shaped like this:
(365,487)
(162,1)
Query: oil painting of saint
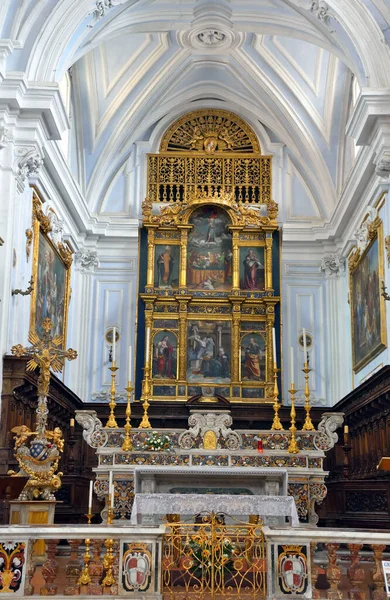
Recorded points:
(366,307)
(166,269)
(253,357)
(50,299)
(164,355)
(208,352)
(209,262)
(252,268)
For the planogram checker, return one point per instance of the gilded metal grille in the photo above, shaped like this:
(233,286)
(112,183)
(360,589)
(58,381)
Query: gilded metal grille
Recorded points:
(211,559)
(173,178)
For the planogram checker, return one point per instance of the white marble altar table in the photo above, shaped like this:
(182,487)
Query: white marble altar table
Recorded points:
(149,506)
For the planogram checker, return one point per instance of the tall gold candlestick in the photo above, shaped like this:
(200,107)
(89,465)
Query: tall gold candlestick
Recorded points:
(111,419)
(108,560)
(146,388)
(276,424)
(127,444)
(293,446)
(308,425)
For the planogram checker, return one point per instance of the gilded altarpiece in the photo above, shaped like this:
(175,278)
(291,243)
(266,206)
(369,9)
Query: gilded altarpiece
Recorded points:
(209,271)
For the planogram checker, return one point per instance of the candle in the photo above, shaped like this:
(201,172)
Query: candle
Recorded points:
(304,345)
(346,429)
(72,422)
(292,363)
(239,364)
(130,361)
(112,498)
(260,446)
(90,497)
(274,345)
(110,486)
(113,344)
(147,343)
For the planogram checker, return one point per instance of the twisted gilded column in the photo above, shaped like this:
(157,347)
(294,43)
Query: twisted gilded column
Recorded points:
(150,268)
(183,301)
(184,230)
(268,261)
(236,256)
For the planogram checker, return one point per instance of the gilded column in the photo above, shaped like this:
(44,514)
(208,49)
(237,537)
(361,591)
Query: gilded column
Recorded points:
(236,321)
(269,388)
(268,261)
(236,257)
(182,353)
(150,271)
(184,229)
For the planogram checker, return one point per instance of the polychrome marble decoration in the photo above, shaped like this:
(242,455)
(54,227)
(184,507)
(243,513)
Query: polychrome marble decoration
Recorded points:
(208,352)
(210,255)
(292,569)
(136,567)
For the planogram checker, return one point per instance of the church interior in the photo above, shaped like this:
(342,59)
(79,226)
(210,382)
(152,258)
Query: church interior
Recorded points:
(194,317)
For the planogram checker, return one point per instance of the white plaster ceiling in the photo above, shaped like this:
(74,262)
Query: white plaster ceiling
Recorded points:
(286,66)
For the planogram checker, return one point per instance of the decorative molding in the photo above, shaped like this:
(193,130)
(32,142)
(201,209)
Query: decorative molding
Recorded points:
(333,265)
(94,433)
(5,137)
(218,422)
(382,167)
(326,436)
(320,9)
(101,8)
(211,37)
(387,246)
(366,230)
(86,260)
(29,165)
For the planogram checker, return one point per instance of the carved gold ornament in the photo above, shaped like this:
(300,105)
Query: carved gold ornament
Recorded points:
(210,131)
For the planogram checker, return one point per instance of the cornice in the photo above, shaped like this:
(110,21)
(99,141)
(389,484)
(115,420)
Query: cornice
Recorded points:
(371,106)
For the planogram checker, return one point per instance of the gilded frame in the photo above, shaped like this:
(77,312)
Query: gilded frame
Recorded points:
(58,263)
(359,265)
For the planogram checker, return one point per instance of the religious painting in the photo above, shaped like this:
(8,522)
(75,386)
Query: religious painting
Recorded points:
(252,264)
(208,352)
(209,253)
(252,392)
(166,266)
(253,357)
(164,390)
(164,355)
(367,305)
(50,295)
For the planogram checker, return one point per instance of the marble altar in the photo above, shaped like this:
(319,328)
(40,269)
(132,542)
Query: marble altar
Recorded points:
(149,509)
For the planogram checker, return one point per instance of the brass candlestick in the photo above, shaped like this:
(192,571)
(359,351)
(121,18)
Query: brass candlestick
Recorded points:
(110,512)
(111,419)
(145,423)
(276,424)
(85,578)
(108,560)
(293,446)
(127,445)
(308,425)
(89,515)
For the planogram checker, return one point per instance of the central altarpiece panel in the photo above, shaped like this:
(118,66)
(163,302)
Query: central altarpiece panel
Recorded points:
(209,272)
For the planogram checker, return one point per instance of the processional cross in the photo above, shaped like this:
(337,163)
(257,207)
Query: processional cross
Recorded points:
(46,354)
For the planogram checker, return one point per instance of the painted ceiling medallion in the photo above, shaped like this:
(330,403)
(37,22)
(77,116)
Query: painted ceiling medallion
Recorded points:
(211,37)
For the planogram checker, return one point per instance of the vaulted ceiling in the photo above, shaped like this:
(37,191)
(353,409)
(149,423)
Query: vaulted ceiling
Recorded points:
(289,67)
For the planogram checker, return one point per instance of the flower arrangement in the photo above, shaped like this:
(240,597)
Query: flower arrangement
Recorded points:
(157,442)
(204,552)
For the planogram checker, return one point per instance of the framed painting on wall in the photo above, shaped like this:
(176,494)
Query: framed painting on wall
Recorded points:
(51,276)
(367,302)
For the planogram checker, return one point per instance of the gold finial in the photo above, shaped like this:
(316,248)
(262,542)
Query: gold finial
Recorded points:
(111,419)
(127,444)
(276,424)
(308,425)
(108,560)
(293,446)
(85,577)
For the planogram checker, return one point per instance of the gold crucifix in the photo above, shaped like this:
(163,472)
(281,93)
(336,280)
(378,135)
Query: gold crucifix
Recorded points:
(46,354)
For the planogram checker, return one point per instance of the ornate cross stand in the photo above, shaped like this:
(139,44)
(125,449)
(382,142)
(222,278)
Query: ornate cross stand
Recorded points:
(40,460)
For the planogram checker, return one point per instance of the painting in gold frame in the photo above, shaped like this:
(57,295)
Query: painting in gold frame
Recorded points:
(367,304)
(51,291)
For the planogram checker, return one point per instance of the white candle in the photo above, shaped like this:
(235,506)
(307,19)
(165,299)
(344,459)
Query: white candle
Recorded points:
(147,343)
(292,363)
(110,483)
(90,497)
(112,498)
(239,364)
(274,345)
(130,363)
(304,345)
(113,344)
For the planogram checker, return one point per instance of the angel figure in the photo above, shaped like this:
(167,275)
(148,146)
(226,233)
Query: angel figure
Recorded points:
(22,434)
(56,437)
